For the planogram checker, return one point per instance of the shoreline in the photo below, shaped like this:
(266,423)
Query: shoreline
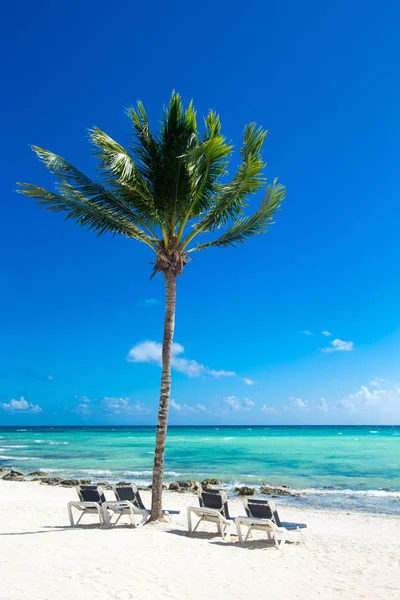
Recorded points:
(350,555)
(383,501)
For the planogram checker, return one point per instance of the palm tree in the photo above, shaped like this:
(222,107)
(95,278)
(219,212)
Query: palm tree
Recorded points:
(166,191)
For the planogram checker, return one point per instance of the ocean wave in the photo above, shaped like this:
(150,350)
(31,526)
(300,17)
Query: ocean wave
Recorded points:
(51,442)
(348,492)
(95,472)
(150,473)
(228,438)
(374,431)
(12,446)
(8,457)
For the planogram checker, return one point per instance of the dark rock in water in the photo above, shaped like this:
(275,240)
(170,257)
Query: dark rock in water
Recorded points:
(13,476)
(38,474)
(149,487)
(285,485)
(123,483)
(245,490)
(105,484)
(270,490)
(174,486)
(3,470)
(50,480)
(207,482)
(328,487)
(386,489)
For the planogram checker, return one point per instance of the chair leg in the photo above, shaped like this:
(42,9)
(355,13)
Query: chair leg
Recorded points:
(283,540)
(248,534)
(189,521)
(239,532)
(197,524)
(71,518)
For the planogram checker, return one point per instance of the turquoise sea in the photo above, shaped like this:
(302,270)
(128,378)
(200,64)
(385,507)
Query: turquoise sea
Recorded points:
(334,467)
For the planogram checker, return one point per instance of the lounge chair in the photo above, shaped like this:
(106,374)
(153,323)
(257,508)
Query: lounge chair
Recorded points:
(91,500)
(213,509)
(129,502)
(262,515)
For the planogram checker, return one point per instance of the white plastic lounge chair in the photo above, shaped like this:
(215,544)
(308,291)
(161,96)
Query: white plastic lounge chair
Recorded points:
(128,503)
(91,500)
(262,515)
(213,509)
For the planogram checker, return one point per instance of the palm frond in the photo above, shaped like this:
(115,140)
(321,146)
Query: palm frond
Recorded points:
(119,168)
(248,226)
(84,212)
(233,197)
(69,174)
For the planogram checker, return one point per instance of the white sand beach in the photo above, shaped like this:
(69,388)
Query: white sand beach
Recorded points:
(351,555)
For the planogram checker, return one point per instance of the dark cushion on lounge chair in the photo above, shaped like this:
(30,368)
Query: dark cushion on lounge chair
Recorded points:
(291,526)
(261,509)
(90,493)
(213,499)
(129,493)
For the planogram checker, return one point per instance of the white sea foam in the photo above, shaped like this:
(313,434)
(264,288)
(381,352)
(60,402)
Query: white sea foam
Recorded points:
(372,431)
(12,446)
(8,457)
(349,492)
(228,438)
(150,473)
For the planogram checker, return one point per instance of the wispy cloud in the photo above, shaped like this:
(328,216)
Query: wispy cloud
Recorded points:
(295,404)
(378,381)
(270,410)
(339,346)
(20,406)
(187,409)
(110,405)
(323,405)
(150,352)
(148,302)
(248,381)
(305,332)
(326,333)
(235,404)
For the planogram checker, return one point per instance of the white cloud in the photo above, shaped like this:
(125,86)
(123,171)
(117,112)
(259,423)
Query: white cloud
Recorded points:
(149,302)
(150,352)
(326,333)
(305,332)
(109,404)
(123,406)
(248,381)
(295,404)
(339,346)
(377,381)
(236,404)
(20,406)
(323,405)
(269,410)
(186,409)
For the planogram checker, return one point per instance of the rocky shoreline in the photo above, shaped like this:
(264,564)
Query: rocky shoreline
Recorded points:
(191,485)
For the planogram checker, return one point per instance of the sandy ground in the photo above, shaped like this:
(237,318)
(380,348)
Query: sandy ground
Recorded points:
(351,555)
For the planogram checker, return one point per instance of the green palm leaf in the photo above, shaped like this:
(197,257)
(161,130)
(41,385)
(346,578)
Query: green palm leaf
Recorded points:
(257,223)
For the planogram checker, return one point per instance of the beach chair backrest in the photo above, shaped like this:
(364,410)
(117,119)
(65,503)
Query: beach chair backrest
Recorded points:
(215,499)
(262,509)
(129,493)
(90,493)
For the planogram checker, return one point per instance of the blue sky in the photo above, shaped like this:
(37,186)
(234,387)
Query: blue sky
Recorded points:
(75,310)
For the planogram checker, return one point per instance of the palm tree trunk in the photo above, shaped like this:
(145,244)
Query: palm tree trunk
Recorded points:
(162,423)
